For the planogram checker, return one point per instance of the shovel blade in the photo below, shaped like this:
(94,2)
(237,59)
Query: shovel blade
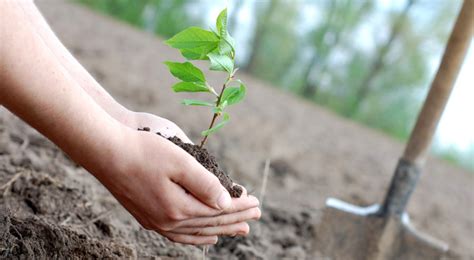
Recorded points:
(351,232)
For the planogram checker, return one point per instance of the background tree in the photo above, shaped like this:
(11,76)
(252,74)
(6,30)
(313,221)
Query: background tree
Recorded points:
(379,61)
(264,11)
(168,18)
(339,18)
(234,14)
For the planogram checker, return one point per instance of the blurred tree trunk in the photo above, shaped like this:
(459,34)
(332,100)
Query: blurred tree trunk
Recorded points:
(363,89)
(260,31)
(310,88)
(234,15)
(341,17)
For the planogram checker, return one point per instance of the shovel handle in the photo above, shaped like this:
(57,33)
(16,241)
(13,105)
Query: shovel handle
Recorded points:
(458,44)
(409,167)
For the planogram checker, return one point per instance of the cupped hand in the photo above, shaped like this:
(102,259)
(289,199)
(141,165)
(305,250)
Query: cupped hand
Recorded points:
(168,191)
(140,120)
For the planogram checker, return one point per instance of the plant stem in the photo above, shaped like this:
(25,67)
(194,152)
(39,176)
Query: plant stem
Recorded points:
(210,126)
(216,115)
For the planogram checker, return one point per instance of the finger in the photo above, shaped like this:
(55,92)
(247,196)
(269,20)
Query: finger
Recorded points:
(191,206)
(170,129)
(190,239)
(242,203)
(204,185)
(194,208)
(227,219)
(240,228)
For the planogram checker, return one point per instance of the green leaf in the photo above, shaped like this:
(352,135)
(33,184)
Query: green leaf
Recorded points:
(185,71)
(221,23)
(230,40)
(218,126)
(221,62)
(193,102)
(194,37)
(190,87)
(233,95)
(224,47)
(199,53)
(227,45)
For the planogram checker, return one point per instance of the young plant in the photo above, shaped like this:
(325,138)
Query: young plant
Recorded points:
(218,47)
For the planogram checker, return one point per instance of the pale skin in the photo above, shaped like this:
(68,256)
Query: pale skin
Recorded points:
(162,186)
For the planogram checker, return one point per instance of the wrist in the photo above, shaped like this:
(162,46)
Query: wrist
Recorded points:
(103,157)
(125,116)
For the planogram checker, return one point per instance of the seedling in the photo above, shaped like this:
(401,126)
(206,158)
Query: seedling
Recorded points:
(218,47)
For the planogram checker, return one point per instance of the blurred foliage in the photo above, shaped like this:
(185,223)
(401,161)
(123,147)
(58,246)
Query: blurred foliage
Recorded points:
(368,60)
(163,17)
(453,155)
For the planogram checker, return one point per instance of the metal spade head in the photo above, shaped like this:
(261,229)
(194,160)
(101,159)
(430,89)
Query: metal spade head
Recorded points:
(351,232)
(377,232)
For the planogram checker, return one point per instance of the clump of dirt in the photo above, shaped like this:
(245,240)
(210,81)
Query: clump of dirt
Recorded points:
(208,161)
(35,238)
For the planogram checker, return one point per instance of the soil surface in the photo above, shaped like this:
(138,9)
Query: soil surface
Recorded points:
(52,208)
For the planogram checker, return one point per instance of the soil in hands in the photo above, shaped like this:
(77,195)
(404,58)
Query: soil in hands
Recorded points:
(208,161)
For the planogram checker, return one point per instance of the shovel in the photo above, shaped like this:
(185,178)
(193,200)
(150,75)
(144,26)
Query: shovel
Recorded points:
(384,232)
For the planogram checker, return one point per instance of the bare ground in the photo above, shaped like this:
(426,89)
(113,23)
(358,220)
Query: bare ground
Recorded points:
(315,154)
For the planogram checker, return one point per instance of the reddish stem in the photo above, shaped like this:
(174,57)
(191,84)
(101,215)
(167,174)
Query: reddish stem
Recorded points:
(216,115)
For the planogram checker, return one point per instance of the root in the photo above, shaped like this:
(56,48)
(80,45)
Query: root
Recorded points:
(64,222)
(6,187)
(264,182)
(205,250)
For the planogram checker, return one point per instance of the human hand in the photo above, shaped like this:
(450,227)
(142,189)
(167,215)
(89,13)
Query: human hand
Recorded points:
(167,128)
(168,191)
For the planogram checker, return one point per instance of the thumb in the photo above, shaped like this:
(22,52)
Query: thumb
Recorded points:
(205,186)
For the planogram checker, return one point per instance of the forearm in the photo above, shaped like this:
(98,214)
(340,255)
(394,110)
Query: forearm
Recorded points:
(73,67)
(35,86)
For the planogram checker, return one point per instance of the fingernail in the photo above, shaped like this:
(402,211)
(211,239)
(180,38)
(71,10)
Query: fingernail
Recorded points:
(224,200)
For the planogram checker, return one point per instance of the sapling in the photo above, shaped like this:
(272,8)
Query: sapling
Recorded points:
(218,47)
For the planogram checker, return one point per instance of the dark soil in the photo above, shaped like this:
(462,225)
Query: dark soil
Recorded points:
(34,211)
(280,234)
(208,161)
(34,238)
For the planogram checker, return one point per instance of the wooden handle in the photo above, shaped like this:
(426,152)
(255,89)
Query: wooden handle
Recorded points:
(459,41)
